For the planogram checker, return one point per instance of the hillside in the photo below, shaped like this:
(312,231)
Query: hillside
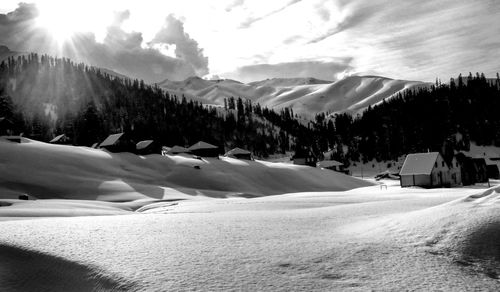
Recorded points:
(47,171)
(306,96)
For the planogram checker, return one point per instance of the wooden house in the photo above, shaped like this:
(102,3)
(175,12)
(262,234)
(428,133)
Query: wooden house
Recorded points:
(175,150)
(118,143)
(147,147)
(204,149)
(61,139)
(239,153)
(481,170)
(429,170)
(304,156)
(332,165)
(472,170)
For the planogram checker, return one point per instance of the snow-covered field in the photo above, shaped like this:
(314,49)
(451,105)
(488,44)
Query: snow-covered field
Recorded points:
(358,236)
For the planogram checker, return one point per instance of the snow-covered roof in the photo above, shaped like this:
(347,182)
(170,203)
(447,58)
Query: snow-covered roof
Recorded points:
(202,145)
(419,163)
(143,144)
(57,138)
(237,151)
(329,163)
(111,140)
(177,149)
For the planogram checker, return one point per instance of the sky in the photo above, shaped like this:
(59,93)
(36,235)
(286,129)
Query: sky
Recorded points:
(251,40)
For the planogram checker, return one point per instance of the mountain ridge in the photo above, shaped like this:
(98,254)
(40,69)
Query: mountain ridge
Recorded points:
(306,96)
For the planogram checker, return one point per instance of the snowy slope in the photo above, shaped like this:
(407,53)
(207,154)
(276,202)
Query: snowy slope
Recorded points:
(307,96)
(49,171)
(363,239)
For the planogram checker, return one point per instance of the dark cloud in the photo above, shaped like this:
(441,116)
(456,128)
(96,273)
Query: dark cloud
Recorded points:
(120,50)
(186,48)
(316,69)
(251,20)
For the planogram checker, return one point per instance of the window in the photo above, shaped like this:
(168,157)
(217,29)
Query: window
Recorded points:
(435,164)
(442,163)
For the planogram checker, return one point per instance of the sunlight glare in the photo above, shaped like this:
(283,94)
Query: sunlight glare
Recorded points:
(63,20)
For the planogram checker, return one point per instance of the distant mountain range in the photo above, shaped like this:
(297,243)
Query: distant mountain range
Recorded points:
(307,96)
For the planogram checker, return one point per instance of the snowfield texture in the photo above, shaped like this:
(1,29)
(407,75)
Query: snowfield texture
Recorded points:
(367,238)
(307,96)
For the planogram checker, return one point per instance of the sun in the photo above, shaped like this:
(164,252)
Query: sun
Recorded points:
(63,19)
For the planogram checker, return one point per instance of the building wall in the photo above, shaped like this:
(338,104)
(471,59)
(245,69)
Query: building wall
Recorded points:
(421,180)
(455,173)
(440,173)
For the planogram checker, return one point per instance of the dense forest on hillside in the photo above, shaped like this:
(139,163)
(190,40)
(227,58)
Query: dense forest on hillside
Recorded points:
(444,117)
(46,96)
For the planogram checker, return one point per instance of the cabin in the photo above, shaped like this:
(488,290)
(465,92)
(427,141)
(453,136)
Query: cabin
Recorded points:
(304,156)
(61,139)
(14,139)
(332,165)
(481,170)
(472,170)
(467,169)
(147,147)
(117,143)
(6,126)
(204,149)
(429,170)
(239,153)
(175,150)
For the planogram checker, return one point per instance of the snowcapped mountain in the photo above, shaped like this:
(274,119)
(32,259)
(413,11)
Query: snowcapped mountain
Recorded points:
(307,96)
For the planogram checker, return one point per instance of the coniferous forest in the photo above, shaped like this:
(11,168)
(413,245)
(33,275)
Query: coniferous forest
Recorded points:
(45,96)
(443,118)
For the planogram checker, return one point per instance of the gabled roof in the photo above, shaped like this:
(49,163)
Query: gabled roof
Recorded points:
(419,163)
(202,145)
(177,149)
(111,140)
(57,138)
(329,163)
(237,151)
(143,144)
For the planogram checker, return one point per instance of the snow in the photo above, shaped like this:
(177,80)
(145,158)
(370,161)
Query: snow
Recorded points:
(307,96)
(363,239)
(373,237)
(46,171)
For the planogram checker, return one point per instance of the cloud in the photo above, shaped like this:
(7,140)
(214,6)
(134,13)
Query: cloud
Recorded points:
(186,48)
(234,4)
(18,30)
(351,20)
(329,70)
(251,20)
(120,50)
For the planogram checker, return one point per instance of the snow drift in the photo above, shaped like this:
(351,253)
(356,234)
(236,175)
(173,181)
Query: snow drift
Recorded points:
(47,171)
